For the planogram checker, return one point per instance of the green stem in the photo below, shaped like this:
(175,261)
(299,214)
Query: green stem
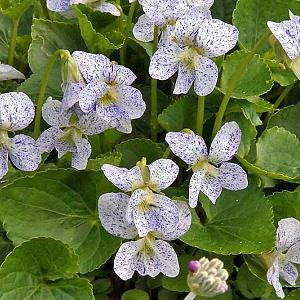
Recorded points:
(40,101)
(154,106)
(45,9)
(234,81)
(167,153)
(190,296)
(13,41)
(200,115)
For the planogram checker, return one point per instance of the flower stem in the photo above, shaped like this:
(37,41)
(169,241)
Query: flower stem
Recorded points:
(40,101)
(190,296)
(167,153)
(200,115)
(234,81)
(154,107)
(13,41)
(45,9)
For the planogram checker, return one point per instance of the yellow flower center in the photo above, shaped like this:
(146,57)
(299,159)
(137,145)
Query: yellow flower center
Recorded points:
(206,166)
(187,57)
(109,98)
(70,134)
(4,139)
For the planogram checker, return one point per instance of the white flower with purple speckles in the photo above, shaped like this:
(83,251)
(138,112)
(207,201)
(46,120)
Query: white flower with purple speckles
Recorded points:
(201,3)
(64,6)
(16,113)
(147,256)
(288,35)
(8,72)
(109,91)
(212,171)
(197,39)
(287,252)
(68,127)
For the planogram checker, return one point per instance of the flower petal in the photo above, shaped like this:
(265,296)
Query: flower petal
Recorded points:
(58,5)
(201,3)
(124,179)
(190,147)
(206,75)
(8,72)
(287,33)
(121,124)
(288,272)
(16,111)
(112,209)
(63,147)
(54,114)
(123,75)
(24,153)
(125,260)
(47,139)
(293,254)
(81,156)
(106,7)
(232,177)
(3,162)
(273,279)
(205,183)
(163,172)
(164,62)
(71,92)
(226,143)
(288,234)
(160,216)
(185,79)
(91,65)
(216,37)
(143,30)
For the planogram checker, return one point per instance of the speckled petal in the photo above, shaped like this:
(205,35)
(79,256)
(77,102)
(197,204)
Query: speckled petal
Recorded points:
(63,147)
(71,92)
(81,156)
(185,219)
(185,80)
(92,66)
(106,7)
(24,153)
(288,272)
(164,63)
(54,114)
(232,177)
(8,72)
(273,279)
(121,124)
(201,3)
(163,172)
(206,76)
(47,139)
(131,101)
(143,30)
(112,209)
(125,260)
(58,5)
(3,162)
(205,183)
(16,111)
(90,95)
(287,33)
(226,143)
(124,179)
(216,37)
(293,254)
(123,75)
(161,216)
(190,147)
(288,233)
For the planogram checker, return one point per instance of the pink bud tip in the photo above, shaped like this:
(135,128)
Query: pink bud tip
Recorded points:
(193,266)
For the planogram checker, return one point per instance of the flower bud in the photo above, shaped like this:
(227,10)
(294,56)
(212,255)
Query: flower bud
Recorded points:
(69,69)
(207,278)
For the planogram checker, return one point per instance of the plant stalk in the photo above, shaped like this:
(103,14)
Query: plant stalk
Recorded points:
(13,41)
(190,296)
(200,115)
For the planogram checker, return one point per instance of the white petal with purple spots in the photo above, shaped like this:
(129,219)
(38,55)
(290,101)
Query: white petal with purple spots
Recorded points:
(185,79)
(81,156)
(8,72)
(143,30)
(288,234)
(71,92)
(106,7)
(58,5)
(123,75)
(273,279)
(3,162)
(288,272)
(293,254)
(47,140)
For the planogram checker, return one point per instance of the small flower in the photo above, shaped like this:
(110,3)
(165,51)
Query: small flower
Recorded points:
(68,127)
(8,72)
(148,210)
(109,91)
(148,255)
(197,39)
(16,113)
(287,33)
(207,278)
(212,171)
(287,252)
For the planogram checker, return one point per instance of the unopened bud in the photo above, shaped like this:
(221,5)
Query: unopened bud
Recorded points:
(207,278)
(69,69)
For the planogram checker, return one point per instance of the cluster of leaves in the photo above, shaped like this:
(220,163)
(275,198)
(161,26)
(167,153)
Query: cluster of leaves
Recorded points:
(52,245)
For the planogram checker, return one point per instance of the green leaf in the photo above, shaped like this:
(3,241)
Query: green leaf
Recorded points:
(223,10)
(274,156)
(251,17)
(113,158)
(14,8)
(164,294)
(43,268)
(287,118)
(61,204)
(181,114)
(229,228)
(257,264)
(225,296)
(285,204)
(97,42)
(6,247)
(248,85)
(293,295)
(134,150)
(135,295)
